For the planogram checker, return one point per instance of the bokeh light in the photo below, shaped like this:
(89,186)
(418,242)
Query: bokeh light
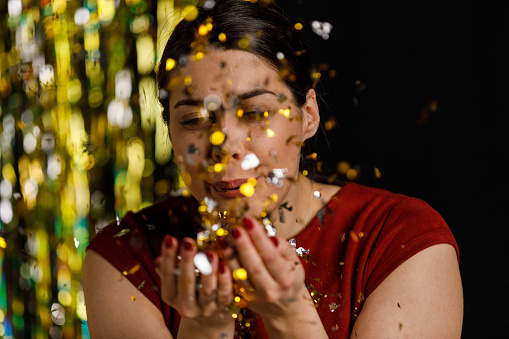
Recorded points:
(81,142)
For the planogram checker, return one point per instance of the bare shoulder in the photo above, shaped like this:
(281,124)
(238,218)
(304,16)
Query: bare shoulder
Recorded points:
(422,298)
(115,307)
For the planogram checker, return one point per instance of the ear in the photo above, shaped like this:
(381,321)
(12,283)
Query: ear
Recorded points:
(311,115)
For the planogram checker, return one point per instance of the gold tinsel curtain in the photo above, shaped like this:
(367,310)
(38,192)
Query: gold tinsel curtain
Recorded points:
(81,142)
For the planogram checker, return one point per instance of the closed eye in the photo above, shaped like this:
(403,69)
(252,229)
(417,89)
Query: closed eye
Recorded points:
(198,120)
(255,115)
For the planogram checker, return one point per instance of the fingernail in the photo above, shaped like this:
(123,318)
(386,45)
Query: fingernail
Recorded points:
(168,242)
(248,224)
(275,241)
(235,233)
(222,243)
(209,255)
(221,267)
(188,245)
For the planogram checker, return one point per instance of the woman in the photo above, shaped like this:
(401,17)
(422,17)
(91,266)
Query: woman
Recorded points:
(240,103)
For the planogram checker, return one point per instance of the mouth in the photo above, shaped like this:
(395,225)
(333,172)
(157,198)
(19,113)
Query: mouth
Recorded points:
(228,189)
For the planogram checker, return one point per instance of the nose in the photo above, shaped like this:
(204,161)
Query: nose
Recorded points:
(233,146)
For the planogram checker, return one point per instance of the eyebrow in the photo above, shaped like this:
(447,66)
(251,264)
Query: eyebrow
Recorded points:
(189,102)
(243,96)
(255,92)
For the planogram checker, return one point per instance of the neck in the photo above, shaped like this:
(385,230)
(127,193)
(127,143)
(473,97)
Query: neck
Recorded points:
(296,209)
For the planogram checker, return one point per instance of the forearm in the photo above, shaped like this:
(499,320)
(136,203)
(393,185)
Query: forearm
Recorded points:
(302,322)
(199,329)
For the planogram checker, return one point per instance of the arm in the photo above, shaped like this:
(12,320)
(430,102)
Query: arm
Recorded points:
(277,276)
(116,308)
(422,298)
(111,309)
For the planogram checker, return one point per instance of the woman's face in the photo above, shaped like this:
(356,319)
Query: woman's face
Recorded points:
(237,95)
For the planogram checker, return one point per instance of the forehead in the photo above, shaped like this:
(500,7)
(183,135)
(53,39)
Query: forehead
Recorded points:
(232,72)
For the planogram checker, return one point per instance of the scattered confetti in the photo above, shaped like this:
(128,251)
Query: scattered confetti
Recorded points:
(170,64)
(276,176)
(217,138)
(240,274)
(250,161)
(333,306)
(212,102)
(270,133)
(122,232)
(202,263)
(247,189)
(322,29)
(271,231)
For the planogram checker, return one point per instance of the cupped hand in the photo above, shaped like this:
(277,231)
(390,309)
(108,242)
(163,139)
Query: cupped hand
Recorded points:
(202,298)
(274,271)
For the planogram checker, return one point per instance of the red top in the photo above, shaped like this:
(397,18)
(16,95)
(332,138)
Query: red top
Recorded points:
(354,243)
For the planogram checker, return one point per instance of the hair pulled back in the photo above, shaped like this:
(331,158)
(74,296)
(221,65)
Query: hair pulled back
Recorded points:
(268,33)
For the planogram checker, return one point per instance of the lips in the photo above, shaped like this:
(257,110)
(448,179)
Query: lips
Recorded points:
(228,189)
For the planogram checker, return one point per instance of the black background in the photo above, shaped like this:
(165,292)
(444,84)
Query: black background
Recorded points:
(407,54)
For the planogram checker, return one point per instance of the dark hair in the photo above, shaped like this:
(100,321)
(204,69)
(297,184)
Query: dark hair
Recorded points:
(268,33)
(264,27)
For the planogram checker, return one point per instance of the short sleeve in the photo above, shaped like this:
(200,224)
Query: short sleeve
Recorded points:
(410,227)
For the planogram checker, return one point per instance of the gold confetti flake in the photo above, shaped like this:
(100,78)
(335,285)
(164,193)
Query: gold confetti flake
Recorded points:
(285,112)
(298,26)
(217,138)
(330,124)
(352,174)
(222,37)
(354,236)
(203,30)
(219,167)
(270,133)
(243,43)
(170,64)
(134,269)
(186,178)
(240,274)
(247,189)
(343,167)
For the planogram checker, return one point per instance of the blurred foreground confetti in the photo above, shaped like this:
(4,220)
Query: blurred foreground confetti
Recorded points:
(81,141)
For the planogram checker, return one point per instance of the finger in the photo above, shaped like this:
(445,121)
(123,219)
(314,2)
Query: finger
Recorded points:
(167,267)
(269,249)
(250,258)
(231,263)
(207,287)
(187,279)
(225,285)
